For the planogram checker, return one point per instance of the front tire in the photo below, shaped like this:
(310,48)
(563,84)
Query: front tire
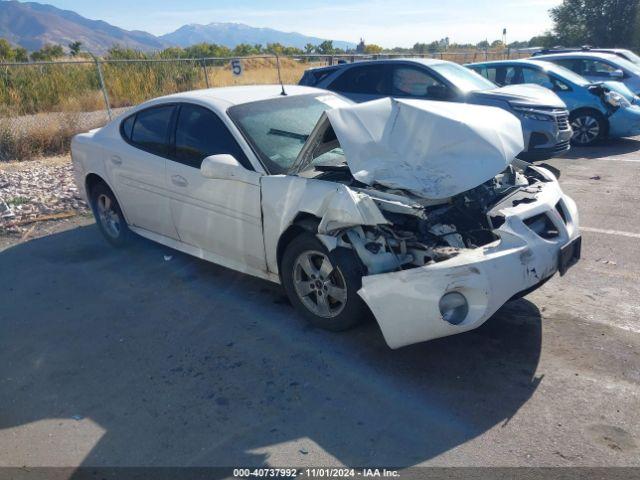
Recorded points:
(323,286)
(109,217)
(589,126)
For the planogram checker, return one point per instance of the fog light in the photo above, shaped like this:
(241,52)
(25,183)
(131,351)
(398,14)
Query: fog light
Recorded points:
(454,308)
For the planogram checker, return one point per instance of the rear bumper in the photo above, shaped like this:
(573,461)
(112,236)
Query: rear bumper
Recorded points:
(405,303)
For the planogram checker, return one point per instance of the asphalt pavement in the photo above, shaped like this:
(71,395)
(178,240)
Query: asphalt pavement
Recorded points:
(127,358)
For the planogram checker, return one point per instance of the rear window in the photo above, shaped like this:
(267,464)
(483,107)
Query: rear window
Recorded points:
(127,127)
(151,128)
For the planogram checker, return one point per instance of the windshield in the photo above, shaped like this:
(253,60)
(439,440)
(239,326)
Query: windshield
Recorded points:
(632,57)
(621,62)
(463,78)
(277,129)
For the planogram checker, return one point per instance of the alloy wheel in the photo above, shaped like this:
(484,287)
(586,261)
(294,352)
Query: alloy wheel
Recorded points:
(319,285)
(108,215)
(585,129)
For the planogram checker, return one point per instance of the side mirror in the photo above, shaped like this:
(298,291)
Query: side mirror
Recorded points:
(226,167)
(617,74)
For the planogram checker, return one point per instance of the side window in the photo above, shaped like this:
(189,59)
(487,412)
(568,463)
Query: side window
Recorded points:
(151,128)
(126,127)
(571,64)
(513,76)
(531,75)
(559,85)
(413,82)
(368,79)
(596,68)
(200,133)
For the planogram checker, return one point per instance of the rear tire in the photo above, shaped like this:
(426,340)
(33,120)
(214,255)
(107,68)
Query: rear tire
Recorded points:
(323,286)
(109,217)
(589,127)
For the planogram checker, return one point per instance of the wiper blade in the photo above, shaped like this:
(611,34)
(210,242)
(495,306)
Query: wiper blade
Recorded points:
(284,133)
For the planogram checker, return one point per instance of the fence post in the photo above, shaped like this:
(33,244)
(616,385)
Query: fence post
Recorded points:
(204,69)
(102,86)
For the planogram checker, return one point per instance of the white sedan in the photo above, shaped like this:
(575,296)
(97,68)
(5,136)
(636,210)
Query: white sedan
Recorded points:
(413,211)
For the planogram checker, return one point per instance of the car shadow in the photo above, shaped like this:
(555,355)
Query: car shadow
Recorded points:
(605,148)
(184,363)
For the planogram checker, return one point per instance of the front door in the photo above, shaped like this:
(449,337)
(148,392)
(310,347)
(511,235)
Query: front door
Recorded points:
(222,217)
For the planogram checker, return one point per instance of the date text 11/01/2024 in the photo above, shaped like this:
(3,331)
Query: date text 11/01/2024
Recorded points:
(315,472)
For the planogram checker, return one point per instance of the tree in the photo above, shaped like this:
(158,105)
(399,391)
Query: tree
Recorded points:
(603,23)
(309,48)
(74,48)
(372,48)
(326,48)
(483,45)
(47,53)
(7,53)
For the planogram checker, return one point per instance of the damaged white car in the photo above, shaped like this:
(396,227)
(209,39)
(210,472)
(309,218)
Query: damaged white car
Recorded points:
(413,210)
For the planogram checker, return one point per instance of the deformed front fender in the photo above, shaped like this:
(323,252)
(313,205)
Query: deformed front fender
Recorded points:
(285,197)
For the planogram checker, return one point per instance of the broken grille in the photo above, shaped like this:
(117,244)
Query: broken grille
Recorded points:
(542,226)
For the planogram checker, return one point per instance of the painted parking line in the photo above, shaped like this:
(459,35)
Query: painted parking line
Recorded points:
(610,232)
(608,159)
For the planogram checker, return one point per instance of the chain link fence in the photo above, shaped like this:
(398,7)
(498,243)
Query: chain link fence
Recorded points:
(43,104)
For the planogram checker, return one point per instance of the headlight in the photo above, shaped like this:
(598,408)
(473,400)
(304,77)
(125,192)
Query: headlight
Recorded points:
(616,100)
(532,114)
(454,308)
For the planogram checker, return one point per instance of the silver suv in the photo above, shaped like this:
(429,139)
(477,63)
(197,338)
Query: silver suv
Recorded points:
(544,117)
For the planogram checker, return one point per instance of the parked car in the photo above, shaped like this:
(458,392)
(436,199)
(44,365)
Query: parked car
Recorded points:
(597,110)
(544,117)
(620,52)
(598,67)
(413,210)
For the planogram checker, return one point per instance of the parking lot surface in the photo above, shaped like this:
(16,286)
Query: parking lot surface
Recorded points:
(146,356)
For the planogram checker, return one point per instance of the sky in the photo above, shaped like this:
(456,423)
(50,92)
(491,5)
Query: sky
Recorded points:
(386,23)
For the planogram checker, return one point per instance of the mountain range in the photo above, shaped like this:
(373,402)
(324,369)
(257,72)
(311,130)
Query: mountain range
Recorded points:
(32,25)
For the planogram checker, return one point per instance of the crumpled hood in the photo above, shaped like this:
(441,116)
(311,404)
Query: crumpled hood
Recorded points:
(525,94)
(618,87)
(432,149)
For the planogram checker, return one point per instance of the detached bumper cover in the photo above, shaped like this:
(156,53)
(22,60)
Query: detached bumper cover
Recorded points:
(625,122)
(405,303)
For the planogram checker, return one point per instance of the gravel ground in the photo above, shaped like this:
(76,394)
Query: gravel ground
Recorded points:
(37,190)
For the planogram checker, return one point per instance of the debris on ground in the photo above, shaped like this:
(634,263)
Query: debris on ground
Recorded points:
(38,190)
(5,210)
(597,177)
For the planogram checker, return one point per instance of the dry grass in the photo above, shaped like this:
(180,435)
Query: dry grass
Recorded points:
(40,107)
(44,135)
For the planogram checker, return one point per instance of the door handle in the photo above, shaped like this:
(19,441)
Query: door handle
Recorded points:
(116,160)
(179,181)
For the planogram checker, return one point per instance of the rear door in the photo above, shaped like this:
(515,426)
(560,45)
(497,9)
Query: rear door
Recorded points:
(222,217)
(138,169)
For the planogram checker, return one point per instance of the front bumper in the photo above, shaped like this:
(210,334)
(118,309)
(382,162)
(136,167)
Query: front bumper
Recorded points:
(625,122)
(405,303)
(546,139)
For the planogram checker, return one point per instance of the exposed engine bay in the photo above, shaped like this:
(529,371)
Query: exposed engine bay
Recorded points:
(420,231)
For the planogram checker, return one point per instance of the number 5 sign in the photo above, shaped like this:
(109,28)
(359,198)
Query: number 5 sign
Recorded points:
(236,67)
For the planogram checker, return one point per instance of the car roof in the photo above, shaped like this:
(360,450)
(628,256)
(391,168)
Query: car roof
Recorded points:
(523,61)
(591,54)
(423,61)
(226,97)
